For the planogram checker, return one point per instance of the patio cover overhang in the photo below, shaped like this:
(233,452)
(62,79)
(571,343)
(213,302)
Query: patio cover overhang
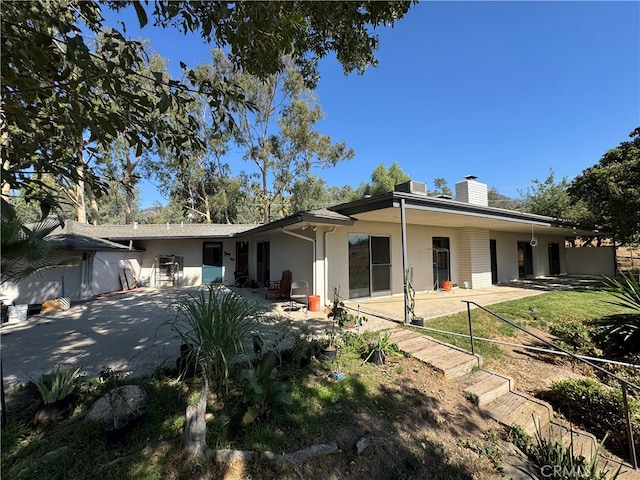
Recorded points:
(423,210)
(417,209)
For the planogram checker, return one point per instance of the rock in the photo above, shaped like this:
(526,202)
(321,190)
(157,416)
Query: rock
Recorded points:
(229,456)
(52,455)
(117,403)
(368,441)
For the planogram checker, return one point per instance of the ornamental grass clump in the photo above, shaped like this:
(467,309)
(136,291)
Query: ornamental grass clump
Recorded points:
(215,324)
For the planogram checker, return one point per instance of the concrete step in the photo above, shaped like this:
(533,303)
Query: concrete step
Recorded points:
(484,385)
(447,359)
(495,394)
(517,408)
(584,443)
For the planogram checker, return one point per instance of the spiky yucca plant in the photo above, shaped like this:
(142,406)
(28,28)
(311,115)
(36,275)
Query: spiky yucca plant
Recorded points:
(215,324)
(622,332)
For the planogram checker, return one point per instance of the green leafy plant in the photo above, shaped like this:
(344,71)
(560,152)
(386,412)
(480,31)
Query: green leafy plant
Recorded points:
(215,324)
(621,333)
(383,345)
(627,291)
(57,385)
(262,390)
(554,459)
(575,337)
(338,313)
(597,407)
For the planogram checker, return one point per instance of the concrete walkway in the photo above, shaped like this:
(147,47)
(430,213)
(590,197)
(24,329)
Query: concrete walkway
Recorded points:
(127,330)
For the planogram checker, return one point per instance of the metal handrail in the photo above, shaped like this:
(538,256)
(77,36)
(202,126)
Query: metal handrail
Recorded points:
(623,382)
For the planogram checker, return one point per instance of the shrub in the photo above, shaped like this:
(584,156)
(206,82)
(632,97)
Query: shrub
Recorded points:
(600,409)
(575,337)
(262,390)
(553,459)
(215,324)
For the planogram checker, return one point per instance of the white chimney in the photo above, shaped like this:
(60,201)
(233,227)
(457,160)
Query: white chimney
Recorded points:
(471,191)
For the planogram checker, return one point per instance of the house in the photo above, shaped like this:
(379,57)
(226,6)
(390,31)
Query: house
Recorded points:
(363,248)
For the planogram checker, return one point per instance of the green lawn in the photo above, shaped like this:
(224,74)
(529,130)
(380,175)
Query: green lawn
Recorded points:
(550,308)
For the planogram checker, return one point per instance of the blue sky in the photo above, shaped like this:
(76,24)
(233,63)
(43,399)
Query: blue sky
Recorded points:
(505,91)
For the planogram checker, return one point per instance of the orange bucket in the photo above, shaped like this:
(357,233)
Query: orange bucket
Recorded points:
(446,285)
(314,303)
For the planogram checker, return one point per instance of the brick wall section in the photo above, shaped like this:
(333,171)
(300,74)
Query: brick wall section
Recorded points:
(473,192)
(474,257)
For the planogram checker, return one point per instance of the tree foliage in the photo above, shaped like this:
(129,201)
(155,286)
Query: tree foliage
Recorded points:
(275,128)
(59,94)
(441,188)
(261,34)
(383,180)
(547,197)
(610,190)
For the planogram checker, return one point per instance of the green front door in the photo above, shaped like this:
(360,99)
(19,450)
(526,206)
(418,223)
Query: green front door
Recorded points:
(212,262)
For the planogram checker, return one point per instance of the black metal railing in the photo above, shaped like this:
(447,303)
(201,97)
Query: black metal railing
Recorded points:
(624,384)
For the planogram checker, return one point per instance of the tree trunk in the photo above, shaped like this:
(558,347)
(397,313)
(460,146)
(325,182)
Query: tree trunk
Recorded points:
(81,208)
(195,431)
(207,208)
(6,187)
(93,206)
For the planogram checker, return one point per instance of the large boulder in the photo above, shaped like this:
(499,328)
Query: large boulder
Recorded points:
(119,402)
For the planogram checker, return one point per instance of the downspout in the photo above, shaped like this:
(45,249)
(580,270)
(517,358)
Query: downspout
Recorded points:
(312,240)
(403,224)
(326,265)
(83,268)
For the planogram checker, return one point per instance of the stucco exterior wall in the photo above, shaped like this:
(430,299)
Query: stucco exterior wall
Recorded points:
(419,254)
(191,251)
(591,261)
(45,285)
(507,254)
(106,270)
(99,272)
(286,253)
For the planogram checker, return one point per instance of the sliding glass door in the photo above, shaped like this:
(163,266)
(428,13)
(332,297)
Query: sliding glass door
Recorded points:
(369,265)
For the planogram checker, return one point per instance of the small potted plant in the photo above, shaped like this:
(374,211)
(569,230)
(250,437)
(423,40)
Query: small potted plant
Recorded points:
(56,390)
(338,315)
(380,349)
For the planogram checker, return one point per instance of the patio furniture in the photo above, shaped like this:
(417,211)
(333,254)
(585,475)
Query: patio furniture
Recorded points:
(279,288)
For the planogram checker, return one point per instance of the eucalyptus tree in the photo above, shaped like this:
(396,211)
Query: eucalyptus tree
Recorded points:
(276,129)
(441,188)
(52,81)
(383,180)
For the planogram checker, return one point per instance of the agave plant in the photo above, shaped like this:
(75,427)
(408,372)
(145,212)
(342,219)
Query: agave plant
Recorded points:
(215,324)
(622,332)
(57,385)
(627,291)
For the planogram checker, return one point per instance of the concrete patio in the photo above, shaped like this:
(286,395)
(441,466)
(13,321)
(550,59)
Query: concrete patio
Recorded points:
(128,331)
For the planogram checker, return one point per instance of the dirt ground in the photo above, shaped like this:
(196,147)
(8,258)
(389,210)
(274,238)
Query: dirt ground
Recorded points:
(438,433)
